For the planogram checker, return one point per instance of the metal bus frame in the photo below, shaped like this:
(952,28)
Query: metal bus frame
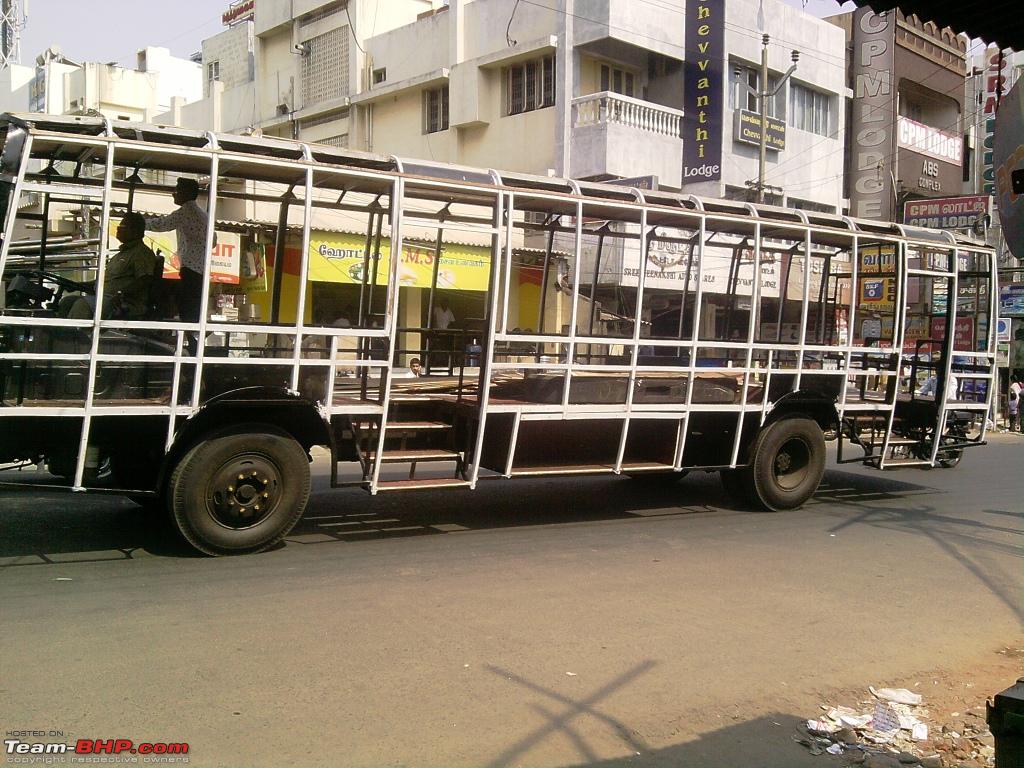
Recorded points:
(873,427)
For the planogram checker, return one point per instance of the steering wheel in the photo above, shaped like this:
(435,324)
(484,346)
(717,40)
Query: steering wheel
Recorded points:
(63,282)
(28,289)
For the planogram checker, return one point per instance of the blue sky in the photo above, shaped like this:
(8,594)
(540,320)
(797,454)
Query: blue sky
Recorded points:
(113,30)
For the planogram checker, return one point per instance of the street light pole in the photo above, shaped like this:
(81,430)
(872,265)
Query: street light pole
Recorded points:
(763,94)
(763,157)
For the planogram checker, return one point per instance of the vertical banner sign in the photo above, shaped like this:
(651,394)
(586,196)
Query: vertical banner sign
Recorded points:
(1008,157)
(703,90)
(997,65)
(873,119)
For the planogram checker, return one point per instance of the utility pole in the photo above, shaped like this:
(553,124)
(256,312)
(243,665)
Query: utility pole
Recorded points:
(12,21)
(763,94)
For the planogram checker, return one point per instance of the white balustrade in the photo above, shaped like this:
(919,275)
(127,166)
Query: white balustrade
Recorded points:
(608,107)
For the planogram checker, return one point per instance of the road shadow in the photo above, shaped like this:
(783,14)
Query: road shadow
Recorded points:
(966,539)
(53,527)
(352,516)
(765,742)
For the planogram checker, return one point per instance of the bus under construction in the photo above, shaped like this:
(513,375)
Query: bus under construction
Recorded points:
(452,326)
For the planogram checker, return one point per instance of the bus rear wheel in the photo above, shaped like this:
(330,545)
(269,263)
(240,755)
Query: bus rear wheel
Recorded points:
(240,491)
(788,461)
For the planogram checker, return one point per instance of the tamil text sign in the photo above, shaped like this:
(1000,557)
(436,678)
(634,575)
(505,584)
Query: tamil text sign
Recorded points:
(748,130)
(239,12)
(948,212)
(341,258)
(703,90)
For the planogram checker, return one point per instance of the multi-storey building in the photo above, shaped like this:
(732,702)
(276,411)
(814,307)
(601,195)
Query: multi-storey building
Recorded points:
(908,117)
(56,85)
(583,88)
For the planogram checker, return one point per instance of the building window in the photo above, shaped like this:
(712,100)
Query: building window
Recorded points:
(325,67)
(326,117)
(380,75)
(319,15)
(212,73)
(341,140)
(810,110)
(617,80)
(745,84)
(809,205)
(435,110)
(530,85)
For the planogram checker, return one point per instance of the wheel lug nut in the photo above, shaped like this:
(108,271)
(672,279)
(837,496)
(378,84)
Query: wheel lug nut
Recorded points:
(231,489)
(256,508)
(241,477)
(266,495)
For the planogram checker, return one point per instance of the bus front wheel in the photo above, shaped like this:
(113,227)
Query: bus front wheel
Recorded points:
(239,491)
(787,463)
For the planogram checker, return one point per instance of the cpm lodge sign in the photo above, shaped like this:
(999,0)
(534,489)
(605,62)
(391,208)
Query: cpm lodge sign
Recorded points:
(872,119)
(703,90)
(947,213)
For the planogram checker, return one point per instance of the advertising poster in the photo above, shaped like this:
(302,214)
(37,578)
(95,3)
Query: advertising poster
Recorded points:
(225,258)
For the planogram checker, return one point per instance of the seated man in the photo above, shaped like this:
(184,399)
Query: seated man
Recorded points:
(127,281)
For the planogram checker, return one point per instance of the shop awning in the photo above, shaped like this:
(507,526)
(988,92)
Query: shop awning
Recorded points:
(997,21)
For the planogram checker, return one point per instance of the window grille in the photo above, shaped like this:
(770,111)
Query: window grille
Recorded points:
(530,85)
(435,110)
(325,67)
(341,140)
(326,117)
(321,14)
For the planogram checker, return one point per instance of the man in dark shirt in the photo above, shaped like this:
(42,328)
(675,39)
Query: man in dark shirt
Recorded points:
(128,277)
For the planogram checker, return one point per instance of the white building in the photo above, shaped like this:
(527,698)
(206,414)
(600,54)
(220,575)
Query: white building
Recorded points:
(57,85)
(587,88)
(288,68)
(595,90)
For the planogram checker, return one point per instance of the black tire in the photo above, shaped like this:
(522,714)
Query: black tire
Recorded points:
(737,485)
(239,491)
(788,461)
(950,457)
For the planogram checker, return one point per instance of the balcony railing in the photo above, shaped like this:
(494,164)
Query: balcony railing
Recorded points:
(608,107)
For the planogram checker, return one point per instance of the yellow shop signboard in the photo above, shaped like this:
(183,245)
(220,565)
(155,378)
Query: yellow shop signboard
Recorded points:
(338,258)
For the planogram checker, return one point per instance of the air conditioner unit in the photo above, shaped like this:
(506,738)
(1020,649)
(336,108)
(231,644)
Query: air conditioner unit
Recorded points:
(283,108)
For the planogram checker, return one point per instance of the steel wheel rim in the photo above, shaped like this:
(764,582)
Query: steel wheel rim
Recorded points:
(244,491)
(792,463)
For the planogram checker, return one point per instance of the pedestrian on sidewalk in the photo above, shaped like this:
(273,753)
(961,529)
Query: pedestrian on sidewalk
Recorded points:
(1014,402)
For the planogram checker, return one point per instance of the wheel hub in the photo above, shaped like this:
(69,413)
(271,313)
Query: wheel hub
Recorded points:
(792,463)
(243,492)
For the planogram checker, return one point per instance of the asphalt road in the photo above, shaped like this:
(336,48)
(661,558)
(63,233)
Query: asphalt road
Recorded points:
(598,621)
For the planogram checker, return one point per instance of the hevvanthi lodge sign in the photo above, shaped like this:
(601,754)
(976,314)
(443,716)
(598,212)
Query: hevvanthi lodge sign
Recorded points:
(703,90)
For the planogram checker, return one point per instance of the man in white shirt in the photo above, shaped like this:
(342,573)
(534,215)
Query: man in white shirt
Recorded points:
(443,315)
(931,383)
(189,223)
